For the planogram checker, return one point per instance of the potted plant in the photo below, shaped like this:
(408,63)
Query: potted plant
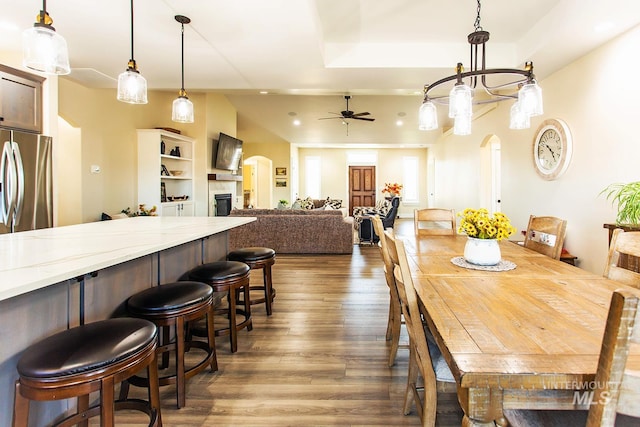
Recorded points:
(484,232)
(627,197)
(282,204)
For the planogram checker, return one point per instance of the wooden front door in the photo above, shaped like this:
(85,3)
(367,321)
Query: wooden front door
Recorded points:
(362,186)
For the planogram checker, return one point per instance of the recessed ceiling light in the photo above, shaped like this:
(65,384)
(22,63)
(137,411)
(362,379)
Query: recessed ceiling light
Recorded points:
(292,113)
(263,92)
(296,122)
(402,114)
(399,122)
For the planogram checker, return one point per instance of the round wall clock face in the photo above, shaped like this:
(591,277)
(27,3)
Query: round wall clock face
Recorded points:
(552,149)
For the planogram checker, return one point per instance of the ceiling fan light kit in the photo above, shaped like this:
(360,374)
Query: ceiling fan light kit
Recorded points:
(461,97)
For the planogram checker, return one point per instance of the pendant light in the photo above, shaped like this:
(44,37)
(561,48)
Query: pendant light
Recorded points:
(132,87)
(182,110)
(43,49)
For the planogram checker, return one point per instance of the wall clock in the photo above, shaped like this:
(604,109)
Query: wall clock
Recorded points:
(552,149)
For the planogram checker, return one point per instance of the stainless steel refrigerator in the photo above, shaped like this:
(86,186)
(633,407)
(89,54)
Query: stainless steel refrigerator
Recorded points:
(25,181)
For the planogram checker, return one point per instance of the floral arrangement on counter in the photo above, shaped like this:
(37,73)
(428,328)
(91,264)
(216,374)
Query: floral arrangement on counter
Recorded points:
(479,224)
(142,211)
(392,188)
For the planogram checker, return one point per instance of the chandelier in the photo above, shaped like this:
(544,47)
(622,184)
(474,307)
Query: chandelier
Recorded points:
(522,88)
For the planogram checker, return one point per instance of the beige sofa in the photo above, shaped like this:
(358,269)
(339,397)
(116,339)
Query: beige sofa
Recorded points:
(295,231)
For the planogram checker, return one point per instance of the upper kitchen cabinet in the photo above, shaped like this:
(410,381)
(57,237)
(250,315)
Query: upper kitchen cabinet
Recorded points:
(20,100)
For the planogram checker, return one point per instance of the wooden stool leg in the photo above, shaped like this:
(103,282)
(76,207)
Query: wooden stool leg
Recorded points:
(154,389)
(247,304)
(83,405)
(107,402)
(211,338)
(180,381)
(233,333)
(165,341)
(268,288)
(20,408)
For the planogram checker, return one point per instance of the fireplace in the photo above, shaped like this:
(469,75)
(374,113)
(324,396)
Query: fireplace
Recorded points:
(223,204)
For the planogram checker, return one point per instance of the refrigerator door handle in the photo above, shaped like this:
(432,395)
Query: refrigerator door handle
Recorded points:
(19,200)
(7,176)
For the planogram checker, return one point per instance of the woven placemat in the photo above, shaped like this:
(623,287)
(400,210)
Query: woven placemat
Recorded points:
(503,265)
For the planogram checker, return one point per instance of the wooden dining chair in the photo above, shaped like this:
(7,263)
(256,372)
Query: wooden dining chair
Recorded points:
(623,244)
(394,324)
(615,400)
(434,222)
(545,234)
(425,359)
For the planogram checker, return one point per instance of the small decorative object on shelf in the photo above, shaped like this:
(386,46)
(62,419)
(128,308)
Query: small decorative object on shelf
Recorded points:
(484,233)
(163,147)
(142,211)
(164,171)
(392,190)
(177,151)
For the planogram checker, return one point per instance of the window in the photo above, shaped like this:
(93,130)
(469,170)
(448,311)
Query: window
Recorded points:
(312,172)
(363,158)
(410,179)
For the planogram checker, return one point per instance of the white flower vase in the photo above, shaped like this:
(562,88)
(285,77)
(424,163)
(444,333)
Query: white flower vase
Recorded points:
(482,251)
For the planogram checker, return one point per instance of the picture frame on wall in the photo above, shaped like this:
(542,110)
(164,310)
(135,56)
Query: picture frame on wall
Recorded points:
(281,172)
(281,182)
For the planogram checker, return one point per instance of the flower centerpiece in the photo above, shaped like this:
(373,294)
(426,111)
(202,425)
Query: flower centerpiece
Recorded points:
(484,232)
(392,189)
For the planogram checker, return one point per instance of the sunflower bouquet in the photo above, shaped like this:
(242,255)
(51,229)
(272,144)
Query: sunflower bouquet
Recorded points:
(479,224)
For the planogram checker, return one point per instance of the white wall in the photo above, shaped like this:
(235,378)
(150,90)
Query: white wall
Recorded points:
(597,97)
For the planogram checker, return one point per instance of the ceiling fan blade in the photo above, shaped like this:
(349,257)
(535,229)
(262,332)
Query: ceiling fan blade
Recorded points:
(366,113)
(327,118)
(363,118)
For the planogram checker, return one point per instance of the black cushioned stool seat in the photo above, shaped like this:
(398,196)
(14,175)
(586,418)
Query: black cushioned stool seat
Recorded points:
(258,258)
(231,277)
(85,359)
(174,305)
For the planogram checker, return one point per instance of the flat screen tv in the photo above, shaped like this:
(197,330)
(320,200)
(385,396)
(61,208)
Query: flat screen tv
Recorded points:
(228,153)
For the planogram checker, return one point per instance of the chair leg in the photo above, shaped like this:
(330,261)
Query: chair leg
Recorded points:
(83,405)
(20,408)
(107,402)
(268,288)
(395,332)
(390,322)
(180,380)
(412,379)
(154,389)
(211,338)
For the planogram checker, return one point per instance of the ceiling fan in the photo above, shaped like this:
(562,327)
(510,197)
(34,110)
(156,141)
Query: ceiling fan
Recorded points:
(348,114)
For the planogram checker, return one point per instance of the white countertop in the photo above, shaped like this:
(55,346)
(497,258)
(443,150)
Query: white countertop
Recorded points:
(31,260)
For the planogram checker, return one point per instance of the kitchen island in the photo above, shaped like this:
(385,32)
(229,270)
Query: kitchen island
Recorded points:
(57,278)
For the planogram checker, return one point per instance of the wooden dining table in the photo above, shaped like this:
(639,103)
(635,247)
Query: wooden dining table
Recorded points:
(525,338)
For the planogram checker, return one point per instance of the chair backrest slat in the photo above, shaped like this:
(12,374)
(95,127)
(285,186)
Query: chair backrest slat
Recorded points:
(438,222)
(623,244)
(545,234)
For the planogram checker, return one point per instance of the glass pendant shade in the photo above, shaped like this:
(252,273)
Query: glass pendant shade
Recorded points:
(45,50)
(462,125)
(132,87)
(530,99)
(182,110)
(428,116)
(518,119)
(460,99)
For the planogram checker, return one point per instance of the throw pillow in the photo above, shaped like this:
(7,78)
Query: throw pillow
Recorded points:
(334,203)
(307,203)
(296,205)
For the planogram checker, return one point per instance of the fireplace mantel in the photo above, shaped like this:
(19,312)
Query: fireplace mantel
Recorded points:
(223,177)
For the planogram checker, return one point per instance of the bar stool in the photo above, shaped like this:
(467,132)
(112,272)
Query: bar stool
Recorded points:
(230,277)
(173,305)
(258,258)
(85,359)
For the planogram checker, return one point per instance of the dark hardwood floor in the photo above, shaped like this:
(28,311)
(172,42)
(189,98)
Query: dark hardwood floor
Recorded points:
(319,360)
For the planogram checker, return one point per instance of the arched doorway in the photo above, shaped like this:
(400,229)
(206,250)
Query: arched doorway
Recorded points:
(256,182)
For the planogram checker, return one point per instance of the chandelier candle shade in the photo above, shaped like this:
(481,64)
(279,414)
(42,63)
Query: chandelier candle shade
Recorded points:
(132,87)
(528,96)
(45,50)
(182,110)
